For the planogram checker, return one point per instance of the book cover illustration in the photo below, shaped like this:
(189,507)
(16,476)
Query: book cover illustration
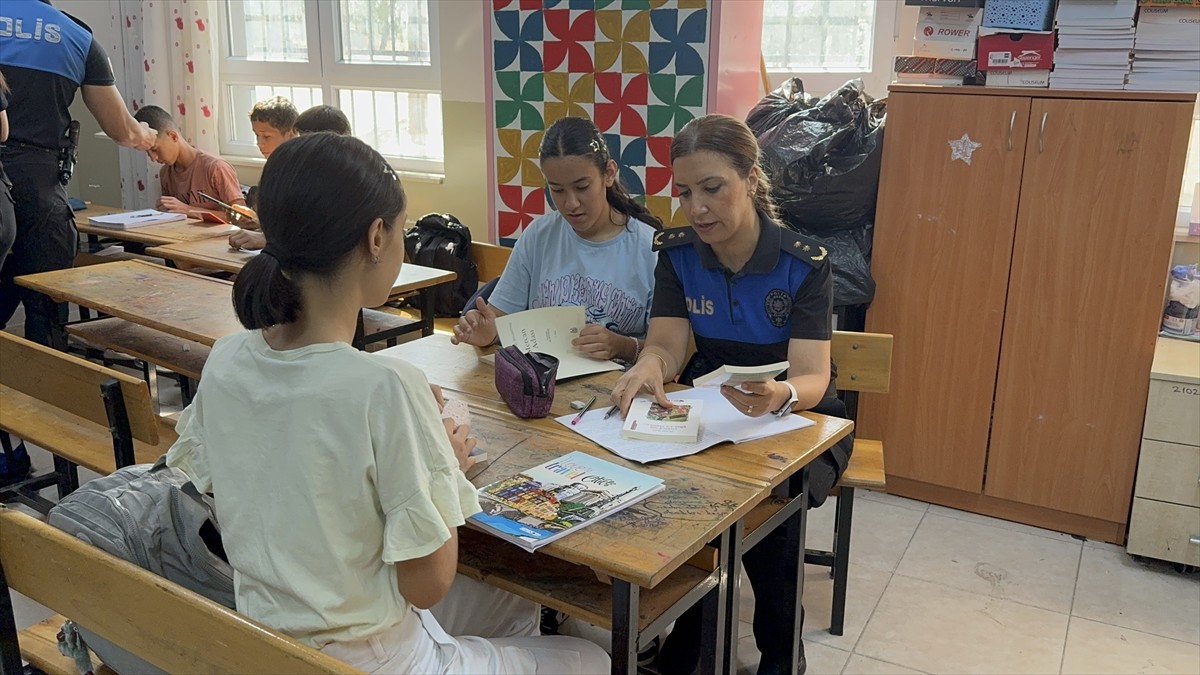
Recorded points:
(679,422)
(540,504)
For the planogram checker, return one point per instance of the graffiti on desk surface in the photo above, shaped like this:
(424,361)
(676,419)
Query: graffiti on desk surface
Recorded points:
(677,504)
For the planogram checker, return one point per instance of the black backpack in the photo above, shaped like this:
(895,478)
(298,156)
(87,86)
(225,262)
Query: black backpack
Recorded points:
(440,240)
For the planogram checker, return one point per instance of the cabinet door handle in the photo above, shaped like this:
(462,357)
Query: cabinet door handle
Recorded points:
(1194,539)
(1042,133)
(1012,121)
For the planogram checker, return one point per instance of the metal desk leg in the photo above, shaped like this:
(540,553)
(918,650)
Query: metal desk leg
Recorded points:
(726,639)
(796,526)
(626,598)
(426,295)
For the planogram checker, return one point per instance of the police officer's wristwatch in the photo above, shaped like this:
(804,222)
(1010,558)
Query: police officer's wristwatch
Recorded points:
(786,408)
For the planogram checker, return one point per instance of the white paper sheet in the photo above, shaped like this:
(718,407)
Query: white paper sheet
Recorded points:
(550,330)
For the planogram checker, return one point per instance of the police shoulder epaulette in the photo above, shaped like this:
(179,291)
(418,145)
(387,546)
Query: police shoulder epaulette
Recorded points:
(673,236)
(805,248)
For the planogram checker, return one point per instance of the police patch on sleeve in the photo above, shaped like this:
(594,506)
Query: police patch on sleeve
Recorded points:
(778,305)
(673,236)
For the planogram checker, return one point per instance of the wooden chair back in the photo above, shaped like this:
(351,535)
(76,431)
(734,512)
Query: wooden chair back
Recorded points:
(73,384)
(864,361)
(490,259)
(166,624)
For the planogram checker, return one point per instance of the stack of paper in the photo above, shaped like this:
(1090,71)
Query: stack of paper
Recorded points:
(1166,50)
(131,219)
(1094,41)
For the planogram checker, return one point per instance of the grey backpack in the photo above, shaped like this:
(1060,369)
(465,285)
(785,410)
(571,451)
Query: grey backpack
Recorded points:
(152,516)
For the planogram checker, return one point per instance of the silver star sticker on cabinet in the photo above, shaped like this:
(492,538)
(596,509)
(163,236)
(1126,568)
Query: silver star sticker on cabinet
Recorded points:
(963,148)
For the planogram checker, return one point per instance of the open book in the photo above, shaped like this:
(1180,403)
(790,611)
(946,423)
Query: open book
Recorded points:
(132,219)
(735,376)
(535,507)
(721,422)
(550,330)
(649,421)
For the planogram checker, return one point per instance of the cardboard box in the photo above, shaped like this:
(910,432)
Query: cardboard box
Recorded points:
(931,70)
(1019,14)
(947,32)
(1018,78)
(1015,50)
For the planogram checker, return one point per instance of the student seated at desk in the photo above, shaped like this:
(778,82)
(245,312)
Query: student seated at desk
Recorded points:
(315,119)
(593,250)
(751,293)
(188,171)
(338,487)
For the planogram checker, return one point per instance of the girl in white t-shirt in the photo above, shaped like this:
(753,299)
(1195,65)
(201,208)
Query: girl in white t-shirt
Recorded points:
(595,250)
(338,488)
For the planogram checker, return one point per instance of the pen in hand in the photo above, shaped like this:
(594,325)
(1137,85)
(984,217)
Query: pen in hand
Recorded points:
(611,410)
(586,407)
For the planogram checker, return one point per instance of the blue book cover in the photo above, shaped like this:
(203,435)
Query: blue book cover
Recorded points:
(541,504)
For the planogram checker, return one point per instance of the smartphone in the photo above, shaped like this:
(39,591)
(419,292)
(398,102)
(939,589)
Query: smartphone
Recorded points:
(235,214)
(210,217)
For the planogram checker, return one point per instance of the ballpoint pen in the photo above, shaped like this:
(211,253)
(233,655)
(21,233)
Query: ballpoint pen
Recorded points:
(611,411)
(586,407)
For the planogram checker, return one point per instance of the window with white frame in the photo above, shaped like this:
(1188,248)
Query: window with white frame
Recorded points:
(376,60)
(1189,194)
(827,42)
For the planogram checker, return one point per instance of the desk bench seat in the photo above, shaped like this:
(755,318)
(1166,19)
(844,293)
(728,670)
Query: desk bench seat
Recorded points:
(39,646)
(73,438)
(567,587)
(153,346)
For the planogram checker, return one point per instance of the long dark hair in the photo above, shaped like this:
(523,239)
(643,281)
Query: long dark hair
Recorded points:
(731,138)
(578,137)
(317,199)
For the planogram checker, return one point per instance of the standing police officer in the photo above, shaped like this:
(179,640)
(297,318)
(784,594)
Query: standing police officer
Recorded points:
(46,56)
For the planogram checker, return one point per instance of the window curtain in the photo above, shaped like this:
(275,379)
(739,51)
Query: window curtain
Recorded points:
(170,60)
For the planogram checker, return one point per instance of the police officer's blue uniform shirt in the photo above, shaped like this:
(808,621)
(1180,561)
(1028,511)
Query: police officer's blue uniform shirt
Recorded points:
(46,55)
(784,292)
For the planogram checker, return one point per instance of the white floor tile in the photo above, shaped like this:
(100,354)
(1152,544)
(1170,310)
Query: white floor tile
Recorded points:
(1094,647)
(939,629)
(997,522)
(1148,597)
(967,555)
(893,500)
(822,660)
(880,535)
(864,587)
(865,665)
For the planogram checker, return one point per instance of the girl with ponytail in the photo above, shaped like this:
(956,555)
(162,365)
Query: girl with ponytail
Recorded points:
(751,293)
(594,250)
(338,485)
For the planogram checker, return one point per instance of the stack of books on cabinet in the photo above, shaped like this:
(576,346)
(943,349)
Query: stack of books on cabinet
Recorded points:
(1095,38)
(1166,49)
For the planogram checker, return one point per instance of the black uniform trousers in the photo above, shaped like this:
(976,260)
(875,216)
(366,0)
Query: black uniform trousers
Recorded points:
(46,240)
(770,566)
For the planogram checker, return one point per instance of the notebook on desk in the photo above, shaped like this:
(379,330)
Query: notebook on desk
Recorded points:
(131,219)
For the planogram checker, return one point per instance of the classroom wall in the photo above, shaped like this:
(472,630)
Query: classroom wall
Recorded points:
(463,191)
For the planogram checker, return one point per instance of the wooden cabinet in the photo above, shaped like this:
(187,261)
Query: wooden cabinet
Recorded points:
(1023,290)
(1165,523)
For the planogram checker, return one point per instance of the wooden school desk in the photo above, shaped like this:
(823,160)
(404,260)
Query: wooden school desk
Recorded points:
(186,305)
(149,235)
(766,463)
(216,254)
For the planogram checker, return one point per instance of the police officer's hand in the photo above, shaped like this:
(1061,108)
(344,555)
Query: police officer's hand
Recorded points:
(476,327)
(248,240)
(646,375)
(597,342)
(146,139)
(172,204)
(755,399)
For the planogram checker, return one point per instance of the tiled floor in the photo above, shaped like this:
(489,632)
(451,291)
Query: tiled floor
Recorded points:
(936,590)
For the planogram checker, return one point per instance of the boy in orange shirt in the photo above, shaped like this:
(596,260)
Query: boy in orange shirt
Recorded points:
(188,171)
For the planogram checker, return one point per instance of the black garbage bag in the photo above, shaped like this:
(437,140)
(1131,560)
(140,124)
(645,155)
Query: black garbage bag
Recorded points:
(823,157)
(850,255)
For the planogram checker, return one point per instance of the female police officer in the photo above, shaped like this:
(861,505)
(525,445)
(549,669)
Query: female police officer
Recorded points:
(751,293)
